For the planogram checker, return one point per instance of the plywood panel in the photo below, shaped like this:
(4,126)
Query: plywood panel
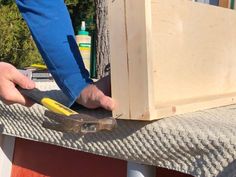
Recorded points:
(193,57)
(181,57)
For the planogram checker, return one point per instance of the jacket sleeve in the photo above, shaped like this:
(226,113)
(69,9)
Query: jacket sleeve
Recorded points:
(51,28)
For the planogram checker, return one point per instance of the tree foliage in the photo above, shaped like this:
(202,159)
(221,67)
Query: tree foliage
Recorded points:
(16,44)
(82,10)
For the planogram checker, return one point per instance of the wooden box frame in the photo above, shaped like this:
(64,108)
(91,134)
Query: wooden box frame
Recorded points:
(170,57)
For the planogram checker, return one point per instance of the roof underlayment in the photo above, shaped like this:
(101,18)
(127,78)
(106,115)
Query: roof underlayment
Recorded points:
(202,143)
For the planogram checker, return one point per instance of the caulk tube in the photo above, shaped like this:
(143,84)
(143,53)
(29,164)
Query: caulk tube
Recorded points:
(83,40)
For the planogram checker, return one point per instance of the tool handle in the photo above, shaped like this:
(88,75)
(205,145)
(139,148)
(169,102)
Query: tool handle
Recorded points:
(41,98)
(34,94)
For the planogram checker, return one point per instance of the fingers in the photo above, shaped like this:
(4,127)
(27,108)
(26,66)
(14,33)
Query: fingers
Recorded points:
(21,80)
(12,95)
(107,103)
(92,97)
(24,82)
(27,103)
(9,77)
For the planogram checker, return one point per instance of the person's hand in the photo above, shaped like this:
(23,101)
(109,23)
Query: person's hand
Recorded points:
(9,78)
(95,95)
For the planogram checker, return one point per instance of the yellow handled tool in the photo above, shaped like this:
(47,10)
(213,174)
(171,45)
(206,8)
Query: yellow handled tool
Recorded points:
(39,97)
(65,119)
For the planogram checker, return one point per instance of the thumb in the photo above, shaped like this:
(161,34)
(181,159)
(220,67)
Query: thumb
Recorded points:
(107,103)
(21,80)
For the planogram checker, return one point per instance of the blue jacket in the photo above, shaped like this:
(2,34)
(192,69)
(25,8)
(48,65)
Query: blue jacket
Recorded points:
(51,28)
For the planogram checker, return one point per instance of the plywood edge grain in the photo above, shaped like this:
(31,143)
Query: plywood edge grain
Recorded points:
(118,57)
(138,26)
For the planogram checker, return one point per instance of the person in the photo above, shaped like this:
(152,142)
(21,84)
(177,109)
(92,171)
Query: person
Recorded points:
(52,31)
(9,78)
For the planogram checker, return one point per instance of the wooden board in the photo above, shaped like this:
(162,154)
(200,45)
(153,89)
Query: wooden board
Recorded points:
(139,51)
(194,58)
(119,74)
(181,58)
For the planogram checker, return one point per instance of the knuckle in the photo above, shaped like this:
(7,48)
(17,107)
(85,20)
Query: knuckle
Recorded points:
(7,97)
(10,69)
(22,81)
